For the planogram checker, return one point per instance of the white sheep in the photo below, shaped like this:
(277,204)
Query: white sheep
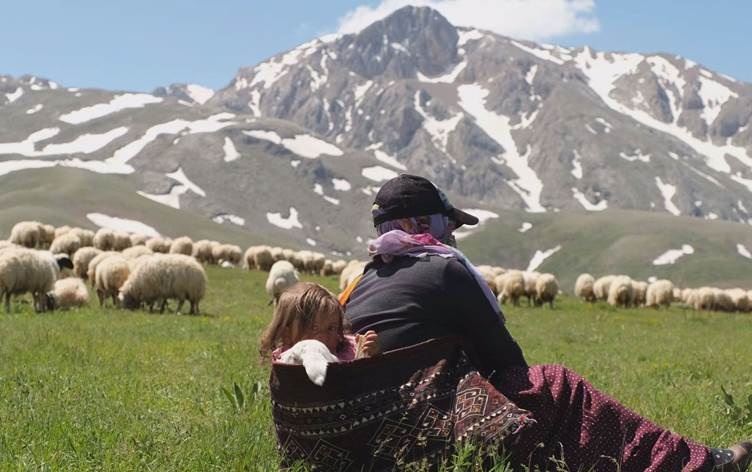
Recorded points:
(85,236)
(620,291)
(69,293)
(138,239)
(182,245)
(583,288)
(723,301)
(488,275)
(122,241)
(512,285)
(104,239)
(68,244)
(28,234)
(47,234)
(30,271)
(546,289)
(313,355)
(91,270)
(81,260)
(660,293)
(160,245)
(202,251)
(352,270)
(277,253)
(531,278)
(61,230)
(338,266)
(740,299)
(282,276)
(639,293)
(136,251)
(262,258)
(226,253)
(704,299)
(161,277)
(111,274)
(601,287)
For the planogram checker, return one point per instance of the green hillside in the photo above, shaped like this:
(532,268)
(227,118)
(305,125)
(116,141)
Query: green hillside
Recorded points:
(617,241)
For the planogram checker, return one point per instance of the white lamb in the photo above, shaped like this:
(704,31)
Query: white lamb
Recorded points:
(583,288)
(30,271)
(660,293)
(282,276)
(161,277)
(69,293)
(313,355)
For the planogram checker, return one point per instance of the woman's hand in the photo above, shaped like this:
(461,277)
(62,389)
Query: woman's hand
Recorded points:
(367,345)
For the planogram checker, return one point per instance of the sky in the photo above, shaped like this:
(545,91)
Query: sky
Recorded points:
(139,45)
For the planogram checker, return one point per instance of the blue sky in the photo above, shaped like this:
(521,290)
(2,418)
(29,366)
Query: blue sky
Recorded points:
(138,45)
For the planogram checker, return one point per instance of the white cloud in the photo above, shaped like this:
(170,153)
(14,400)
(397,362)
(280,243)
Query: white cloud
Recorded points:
(524,19)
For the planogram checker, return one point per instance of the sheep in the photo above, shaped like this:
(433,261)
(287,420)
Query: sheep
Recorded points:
(47,234)
(111,274)
(81,260)
(5,245)
(338,266)
(317,263)
(262,258)
(620,291)
(182,245)
(138,239)
(104,239)
(704,299)
(91,271)
(69,293)
(677,295)
(660,293)
(352,270)
(68,244)
(313,355)
(488,275)
(85,236)
(298,259)
(639,293)
(202,251)
(531,278)
(160,245)
(277,253)
(512,287)
(288,254)
(27,270)
(136,251)
(328,268)
(740,299)
(227,253)
(601,287)
(583,288)
(163,276)
(27,234)
(61,230)
(723,301)
(281,276)
(546,289)
(122,241)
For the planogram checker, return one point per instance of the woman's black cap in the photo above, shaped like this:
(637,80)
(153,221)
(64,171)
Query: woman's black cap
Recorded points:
(411,195)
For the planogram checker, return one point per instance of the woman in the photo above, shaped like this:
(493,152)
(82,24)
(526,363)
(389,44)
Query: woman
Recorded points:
(418,287)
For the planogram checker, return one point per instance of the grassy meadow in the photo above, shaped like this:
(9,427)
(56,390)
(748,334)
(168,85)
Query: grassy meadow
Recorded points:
(112,390)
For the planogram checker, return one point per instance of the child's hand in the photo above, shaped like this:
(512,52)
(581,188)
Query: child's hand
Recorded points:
(367,344)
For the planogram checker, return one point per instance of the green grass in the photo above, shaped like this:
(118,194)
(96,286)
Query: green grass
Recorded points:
(117,390)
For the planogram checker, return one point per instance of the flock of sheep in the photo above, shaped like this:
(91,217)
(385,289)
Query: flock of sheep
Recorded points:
(622,291)
(135,271)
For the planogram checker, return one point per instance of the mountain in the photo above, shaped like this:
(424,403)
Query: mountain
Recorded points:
(293,150)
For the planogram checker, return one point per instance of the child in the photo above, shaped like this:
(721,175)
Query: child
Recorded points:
(309,311)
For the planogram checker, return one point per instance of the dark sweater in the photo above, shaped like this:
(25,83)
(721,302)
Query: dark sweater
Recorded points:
(411,300)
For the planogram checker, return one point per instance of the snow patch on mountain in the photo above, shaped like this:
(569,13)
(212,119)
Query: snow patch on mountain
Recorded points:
(438,129)
(229,149)
(15,95)
(198,93)
(540,257)
(179,176)
(118,103)
(540,53)
(378,173)
(580,197)
(636,156)
(447,78)
(526,226)
(84,144)
(576,165)
(482,215)
(228,218)
(121,224)
(743,251)
(528,186)
(714,95)
(673,255)
(304,145)
(668,191)
(34,109)
(341,185)
(285,223)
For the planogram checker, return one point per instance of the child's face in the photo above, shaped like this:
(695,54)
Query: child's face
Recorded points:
(327,328)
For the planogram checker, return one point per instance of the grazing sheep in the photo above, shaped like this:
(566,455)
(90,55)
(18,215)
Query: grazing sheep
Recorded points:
(227,253)
(298,259)
(740,299)
(122,241)
(583,288)
(639,293)
(338,266)
(704,299)
(160,245)
(104,239)
(723,301)
(69,293)
(161,277)
(546,289)
(5,245)
(91,271)
(182,245)
(138,239)
(47,234)
(620,291)
(277,253)
(68,244)
(328,268)
(85,236)
(262,258)
(601,287)
(282,276)
(136,251)
(512,287)
(660,293)
(81,260)
(317,263)
(27,234)
(677,295)
(489,276)
(61,230)
(111,274)
(27,270)
(288,254)
(531,278)
(352,270)
(202,251)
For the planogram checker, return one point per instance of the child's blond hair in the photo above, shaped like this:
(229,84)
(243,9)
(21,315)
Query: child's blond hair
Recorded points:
(297,308)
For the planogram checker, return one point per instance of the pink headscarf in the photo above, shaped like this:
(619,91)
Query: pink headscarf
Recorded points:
(419,237)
